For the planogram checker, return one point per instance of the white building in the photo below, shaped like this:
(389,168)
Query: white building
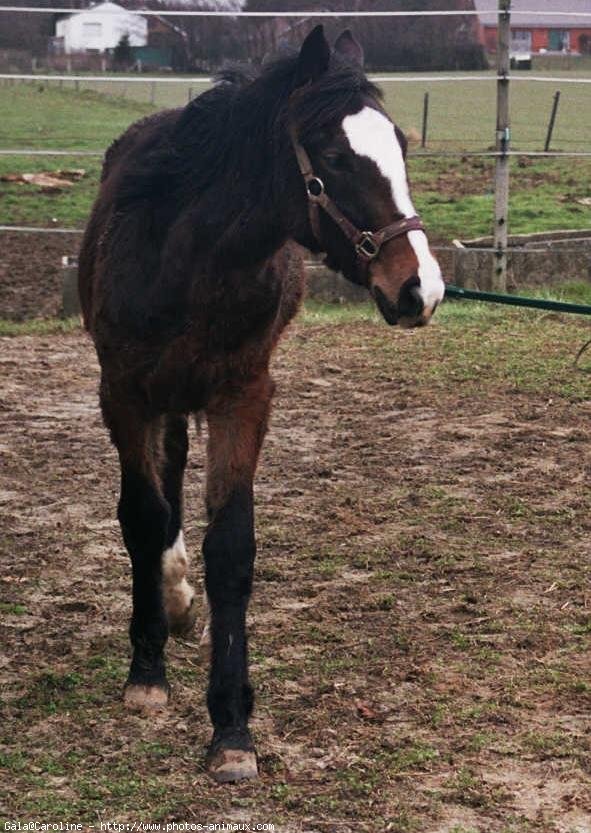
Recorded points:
(101,27)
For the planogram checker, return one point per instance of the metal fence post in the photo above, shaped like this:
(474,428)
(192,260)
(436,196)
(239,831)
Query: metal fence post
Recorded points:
(503,137)
(425,120)
(552,120)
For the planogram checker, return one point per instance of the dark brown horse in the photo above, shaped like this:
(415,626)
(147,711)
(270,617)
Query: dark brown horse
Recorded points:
(188,275)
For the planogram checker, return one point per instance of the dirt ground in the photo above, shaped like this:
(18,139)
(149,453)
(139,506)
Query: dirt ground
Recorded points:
(421,619)
(31,275)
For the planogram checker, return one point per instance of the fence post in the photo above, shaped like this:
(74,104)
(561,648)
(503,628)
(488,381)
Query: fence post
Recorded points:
(190,95)
(552,120)
(153,93)
(425,119)
(503,137)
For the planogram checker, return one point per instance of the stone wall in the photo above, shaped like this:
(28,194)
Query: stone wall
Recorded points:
(546,259)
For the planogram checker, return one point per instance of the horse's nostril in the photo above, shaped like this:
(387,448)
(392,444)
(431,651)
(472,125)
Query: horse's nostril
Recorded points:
(410,303)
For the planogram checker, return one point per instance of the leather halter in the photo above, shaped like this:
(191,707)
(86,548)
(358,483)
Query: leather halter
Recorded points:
(367,244)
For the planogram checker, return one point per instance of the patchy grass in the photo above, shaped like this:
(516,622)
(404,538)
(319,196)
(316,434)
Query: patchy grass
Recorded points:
(419,627)
(444,193)
(317,312)
(25,204)
(505,345)
(455,196)
(12,609)
(38,326)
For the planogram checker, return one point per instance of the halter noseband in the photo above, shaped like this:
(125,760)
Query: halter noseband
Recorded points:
(367,244)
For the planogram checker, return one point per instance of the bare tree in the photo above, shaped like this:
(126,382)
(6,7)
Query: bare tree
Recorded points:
(423,43)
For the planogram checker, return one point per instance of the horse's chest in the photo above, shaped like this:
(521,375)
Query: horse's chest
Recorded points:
(229,335)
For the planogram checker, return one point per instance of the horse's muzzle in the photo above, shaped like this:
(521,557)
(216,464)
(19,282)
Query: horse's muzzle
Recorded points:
(409,310)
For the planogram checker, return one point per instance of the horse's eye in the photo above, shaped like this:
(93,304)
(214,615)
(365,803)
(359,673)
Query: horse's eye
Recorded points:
(339,161)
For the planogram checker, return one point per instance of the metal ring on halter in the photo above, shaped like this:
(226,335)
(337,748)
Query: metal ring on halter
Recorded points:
(315,187)
(367,246)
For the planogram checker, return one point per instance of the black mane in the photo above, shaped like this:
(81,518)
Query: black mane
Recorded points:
(210,178)
(219,135)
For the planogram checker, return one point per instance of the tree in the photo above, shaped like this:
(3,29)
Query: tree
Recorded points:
(402,43)
(123,53)
(28,32)
(208,42)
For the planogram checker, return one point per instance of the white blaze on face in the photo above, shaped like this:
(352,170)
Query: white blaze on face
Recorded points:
(371,134)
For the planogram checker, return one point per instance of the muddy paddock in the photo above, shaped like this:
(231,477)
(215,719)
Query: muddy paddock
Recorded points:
(419,629)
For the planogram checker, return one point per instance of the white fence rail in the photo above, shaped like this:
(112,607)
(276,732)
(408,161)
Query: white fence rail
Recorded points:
(200,79)
(303,14)
(433,154)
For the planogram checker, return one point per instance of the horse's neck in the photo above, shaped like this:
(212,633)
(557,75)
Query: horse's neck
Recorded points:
(241,226)
(252,238)
(237,206)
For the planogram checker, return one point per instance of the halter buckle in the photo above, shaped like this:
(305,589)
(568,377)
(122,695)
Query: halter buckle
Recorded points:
(367,246)
(314,187)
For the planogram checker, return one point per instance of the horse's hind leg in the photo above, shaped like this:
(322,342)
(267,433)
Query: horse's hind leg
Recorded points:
(237,421)
(144,515)
(179,596)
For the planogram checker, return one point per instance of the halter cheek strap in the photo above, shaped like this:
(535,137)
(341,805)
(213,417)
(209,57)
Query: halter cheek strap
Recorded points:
(367,244)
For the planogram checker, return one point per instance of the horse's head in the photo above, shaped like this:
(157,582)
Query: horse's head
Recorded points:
(356,203)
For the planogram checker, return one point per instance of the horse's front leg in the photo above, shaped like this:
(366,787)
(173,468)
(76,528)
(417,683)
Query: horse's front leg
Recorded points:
(144,515)
(237,421)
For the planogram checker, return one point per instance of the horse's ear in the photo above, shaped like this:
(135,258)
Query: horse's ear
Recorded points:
(314,57)
(349,47)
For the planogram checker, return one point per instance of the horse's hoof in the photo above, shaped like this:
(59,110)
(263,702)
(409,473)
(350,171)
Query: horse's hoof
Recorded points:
(145,697)
(228,765)
(181,624)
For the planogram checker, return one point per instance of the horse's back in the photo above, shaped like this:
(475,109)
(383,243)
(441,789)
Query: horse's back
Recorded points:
(151,293)
(140,140)
(130,139)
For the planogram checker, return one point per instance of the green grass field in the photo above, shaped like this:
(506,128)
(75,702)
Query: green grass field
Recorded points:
(454,195)
(461,115)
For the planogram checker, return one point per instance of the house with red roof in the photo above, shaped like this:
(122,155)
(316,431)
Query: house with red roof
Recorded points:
(539,29)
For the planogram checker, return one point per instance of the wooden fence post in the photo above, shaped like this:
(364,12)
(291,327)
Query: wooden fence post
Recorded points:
(503,138)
